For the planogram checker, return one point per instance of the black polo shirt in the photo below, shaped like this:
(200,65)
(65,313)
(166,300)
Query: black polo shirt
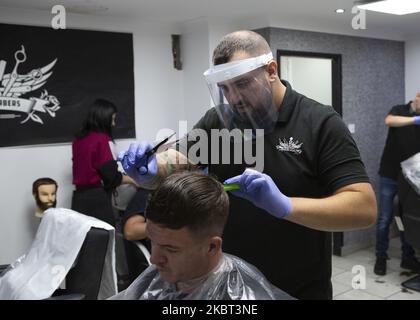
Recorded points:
(401,143)
(310,153)
(136,261)
(137,206)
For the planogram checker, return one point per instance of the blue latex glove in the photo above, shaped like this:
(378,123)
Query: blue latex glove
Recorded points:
(134,161)
(261,190)
(417,120)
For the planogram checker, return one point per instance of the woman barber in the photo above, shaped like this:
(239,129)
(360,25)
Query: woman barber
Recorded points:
(95,172)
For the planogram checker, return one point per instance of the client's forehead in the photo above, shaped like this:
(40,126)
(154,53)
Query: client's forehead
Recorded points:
(162,235)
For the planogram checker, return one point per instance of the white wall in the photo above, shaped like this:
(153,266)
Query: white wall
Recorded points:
(412,68)
(195,59)
(158,103)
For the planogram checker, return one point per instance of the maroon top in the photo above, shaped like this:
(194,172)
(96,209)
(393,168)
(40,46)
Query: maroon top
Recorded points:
(89,153)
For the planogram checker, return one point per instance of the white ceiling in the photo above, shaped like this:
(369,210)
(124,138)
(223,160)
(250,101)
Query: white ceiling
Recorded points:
(317,14)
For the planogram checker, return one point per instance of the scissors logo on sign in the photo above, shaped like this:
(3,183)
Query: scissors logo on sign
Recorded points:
(14,85)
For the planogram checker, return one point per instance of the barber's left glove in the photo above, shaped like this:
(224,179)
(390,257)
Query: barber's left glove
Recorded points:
(261,190)
(134,162)
(417,120)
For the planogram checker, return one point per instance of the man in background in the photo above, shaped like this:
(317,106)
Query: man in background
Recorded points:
(403,141)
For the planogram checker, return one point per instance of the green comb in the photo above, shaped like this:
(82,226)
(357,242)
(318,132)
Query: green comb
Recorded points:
(230,187)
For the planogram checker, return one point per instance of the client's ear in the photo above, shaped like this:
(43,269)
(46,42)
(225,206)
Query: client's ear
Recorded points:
(215,245)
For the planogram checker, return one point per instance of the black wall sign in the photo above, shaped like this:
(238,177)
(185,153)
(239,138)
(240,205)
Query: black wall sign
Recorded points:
(49,77)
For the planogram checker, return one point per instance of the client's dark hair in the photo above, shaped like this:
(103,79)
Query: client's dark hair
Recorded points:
(192,200)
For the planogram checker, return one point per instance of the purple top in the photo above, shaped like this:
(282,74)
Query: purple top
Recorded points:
(89,153)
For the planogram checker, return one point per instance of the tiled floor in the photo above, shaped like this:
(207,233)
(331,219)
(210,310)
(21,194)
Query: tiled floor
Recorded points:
(386,287)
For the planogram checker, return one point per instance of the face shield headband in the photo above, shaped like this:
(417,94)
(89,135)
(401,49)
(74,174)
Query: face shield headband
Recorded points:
(230,70)
(242,93)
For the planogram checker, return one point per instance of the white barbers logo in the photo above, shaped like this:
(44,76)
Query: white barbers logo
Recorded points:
(14,85)
(289,146)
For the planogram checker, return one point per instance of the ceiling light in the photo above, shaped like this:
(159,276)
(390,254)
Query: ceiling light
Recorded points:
(399,7)
(340,11)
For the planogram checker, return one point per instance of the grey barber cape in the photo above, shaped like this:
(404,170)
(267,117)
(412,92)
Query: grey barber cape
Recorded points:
(411,171)
(232,279)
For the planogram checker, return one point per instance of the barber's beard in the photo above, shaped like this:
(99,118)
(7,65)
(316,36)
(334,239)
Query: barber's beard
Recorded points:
(261,116)
(44,206)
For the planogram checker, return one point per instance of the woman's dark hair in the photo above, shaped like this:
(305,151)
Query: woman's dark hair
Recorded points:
(192,200)
(99,118)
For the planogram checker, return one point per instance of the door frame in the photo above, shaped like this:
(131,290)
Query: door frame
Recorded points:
(337,104)
(336,73)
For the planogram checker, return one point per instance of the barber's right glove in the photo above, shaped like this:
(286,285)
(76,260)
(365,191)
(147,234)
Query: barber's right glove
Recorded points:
(417,120)
(134,162)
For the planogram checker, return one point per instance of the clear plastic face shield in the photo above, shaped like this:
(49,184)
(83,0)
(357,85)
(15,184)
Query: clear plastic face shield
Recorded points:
(416,103)
(242,93)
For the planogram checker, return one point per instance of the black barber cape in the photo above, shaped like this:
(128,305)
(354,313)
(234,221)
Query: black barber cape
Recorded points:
(310,153)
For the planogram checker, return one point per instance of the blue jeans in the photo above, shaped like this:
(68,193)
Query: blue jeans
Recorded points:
(387,192)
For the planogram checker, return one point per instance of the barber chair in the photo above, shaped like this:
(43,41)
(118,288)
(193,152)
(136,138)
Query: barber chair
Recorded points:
(3,267)
(85,277)
(83,281)
(134,255)
(137,255)
(138,258)
(410,212)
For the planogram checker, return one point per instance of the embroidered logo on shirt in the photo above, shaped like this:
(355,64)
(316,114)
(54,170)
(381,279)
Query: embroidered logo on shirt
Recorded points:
(290,146)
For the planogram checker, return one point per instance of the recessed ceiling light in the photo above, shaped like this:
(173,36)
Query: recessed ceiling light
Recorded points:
(340,11)
(399,7)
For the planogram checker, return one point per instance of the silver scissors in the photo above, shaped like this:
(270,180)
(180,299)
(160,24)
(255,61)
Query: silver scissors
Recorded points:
(14,74)
(152,151)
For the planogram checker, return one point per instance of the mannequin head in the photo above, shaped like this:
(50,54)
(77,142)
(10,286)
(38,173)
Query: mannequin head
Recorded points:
(44,191)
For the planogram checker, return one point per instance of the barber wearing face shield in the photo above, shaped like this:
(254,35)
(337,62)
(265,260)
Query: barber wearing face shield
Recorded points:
(310,181)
